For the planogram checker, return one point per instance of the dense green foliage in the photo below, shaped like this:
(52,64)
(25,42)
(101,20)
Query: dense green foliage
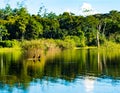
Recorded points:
(92,30)
(10,44)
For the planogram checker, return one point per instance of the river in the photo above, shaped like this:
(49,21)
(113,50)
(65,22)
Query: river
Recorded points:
(68,71)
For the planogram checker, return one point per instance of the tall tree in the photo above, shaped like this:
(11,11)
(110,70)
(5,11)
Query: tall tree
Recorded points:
(22,21)
(34,29)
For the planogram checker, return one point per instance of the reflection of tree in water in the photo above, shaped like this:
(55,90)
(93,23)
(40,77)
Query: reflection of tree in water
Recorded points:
(16,71)
(11,69)
(66,65)
(109,60)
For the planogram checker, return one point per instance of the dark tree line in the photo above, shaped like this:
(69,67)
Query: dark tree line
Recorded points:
(93,29)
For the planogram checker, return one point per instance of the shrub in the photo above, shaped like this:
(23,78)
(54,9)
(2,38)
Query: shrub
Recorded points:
(10,44)
(79,41)
(6,43)
(65,44)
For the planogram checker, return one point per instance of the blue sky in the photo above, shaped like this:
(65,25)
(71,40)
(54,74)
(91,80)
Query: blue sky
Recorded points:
(59,6)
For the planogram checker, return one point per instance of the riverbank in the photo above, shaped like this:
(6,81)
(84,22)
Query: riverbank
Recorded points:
(50,44)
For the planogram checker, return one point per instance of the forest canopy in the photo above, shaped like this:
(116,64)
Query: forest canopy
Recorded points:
(91,30)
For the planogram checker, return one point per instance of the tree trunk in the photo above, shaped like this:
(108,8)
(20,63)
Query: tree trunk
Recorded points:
(98,42)
(98,32)
(104,28)
(22,38)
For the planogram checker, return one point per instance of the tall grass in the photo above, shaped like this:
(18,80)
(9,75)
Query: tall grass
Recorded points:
(46,44)
(111,45)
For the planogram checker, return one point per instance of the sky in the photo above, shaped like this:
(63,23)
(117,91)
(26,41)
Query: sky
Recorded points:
(60,6)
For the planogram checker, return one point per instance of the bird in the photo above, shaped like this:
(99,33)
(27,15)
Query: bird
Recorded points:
(39,58)
(34,56)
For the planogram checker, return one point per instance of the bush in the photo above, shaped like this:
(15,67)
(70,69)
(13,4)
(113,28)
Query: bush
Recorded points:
(79,41)
(10,44)
(32,44)
(65,44)
(117,38)
(43,44)
(46,44)
(110,44)
(6,43)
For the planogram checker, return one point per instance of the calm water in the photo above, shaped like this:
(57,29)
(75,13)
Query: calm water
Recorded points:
(69,71)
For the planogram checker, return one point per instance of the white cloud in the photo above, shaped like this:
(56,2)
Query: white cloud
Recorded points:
(87,9)
(86,6)
(68,10)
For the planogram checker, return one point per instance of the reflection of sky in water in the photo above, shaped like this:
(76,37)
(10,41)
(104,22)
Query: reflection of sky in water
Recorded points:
(89,85)
(80,85)
(49,87)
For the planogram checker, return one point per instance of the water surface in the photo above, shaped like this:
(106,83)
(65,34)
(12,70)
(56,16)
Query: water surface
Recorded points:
(69,71)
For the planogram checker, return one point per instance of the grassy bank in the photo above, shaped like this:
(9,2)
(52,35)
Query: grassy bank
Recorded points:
(46,44)
(49,44)
(41,44)
(111,45)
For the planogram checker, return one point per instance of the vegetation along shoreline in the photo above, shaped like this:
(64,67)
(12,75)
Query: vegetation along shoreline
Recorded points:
(20,29)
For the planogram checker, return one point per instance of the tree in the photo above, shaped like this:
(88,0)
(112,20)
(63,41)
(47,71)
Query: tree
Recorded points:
(7,11)
(50,27)
(51,15)
(34,29)
(42,11)
(89,26)
(3,32)
(22,21)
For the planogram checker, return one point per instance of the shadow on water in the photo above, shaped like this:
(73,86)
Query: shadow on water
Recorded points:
(19,70)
